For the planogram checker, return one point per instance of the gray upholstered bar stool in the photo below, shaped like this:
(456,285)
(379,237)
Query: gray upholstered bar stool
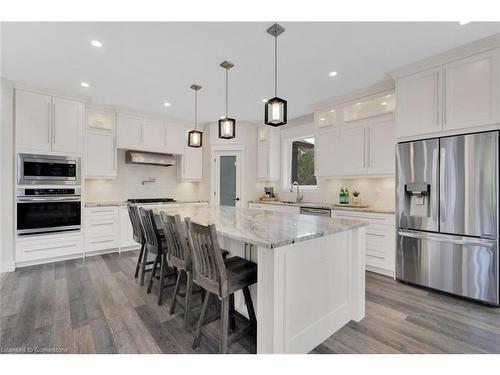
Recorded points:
(179,256)
(138,236)
(219,277)
(155,244)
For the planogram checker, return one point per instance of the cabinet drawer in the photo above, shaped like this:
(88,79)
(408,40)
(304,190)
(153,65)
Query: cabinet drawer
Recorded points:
(380,236)
(47,247)
(101,242)
(372,218)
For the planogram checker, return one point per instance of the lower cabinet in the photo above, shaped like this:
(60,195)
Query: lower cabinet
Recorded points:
(275,207)
(38,249)
(190,165)
(126,231)
(380,239)
(101,228)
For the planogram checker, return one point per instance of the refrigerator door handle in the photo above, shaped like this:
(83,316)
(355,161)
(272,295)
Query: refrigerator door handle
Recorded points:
(448,239)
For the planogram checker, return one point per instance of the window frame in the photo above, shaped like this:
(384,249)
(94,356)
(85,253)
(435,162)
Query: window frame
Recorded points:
(286,163)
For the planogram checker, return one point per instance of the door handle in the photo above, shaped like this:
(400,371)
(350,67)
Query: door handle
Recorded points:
(236,199)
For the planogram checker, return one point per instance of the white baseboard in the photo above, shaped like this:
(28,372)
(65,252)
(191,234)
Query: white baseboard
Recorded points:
(7,266)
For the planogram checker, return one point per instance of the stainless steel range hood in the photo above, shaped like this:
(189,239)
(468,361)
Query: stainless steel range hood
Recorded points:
(149,158)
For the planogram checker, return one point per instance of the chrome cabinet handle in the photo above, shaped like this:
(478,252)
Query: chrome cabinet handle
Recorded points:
(49,128)
(54,123)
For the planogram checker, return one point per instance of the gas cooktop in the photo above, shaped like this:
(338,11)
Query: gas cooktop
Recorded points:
(151,200)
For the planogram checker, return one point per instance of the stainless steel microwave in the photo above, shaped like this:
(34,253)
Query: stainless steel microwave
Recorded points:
(47,170)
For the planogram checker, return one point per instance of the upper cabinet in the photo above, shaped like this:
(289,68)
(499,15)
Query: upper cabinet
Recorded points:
(48,124)
(149,134)
(463,94)
(326,118)
(100,145)
(418,101)
(380,144)
(327,155)
(190,164)
(268,153)
(471,91)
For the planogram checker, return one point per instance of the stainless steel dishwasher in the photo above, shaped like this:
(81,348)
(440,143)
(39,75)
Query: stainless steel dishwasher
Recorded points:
(315,211)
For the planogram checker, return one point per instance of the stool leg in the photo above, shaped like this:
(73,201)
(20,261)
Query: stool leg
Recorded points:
(232,319)
(176,290)
(250,309)
(153,272)
(163,265)
(224,320)
(143,268)
(197,337)
(187,304)
(138,266)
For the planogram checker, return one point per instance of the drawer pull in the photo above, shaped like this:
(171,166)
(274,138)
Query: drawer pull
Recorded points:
(103,223)
(375,234)
(102,241)
(49,248)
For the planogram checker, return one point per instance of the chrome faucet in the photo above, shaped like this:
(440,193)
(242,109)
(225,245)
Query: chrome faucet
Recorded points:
(299,197)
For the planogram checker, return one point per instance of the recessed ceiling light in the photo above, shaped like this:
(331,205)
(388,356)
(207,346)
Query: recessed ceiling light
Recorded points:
(332,110)
(167,104)
(383,103)
(264,100)
(332,74)
(84,84)
(321,119)
(96,43)
(358,103)
(463,22)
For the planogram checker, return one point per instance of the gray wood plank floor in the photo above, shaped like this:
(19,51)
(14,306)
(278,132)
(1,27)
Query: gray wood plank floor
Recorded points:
(96,306)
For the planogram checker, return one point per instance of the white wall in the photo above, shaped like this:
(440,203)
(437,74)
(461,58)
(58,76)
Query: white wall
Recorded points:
(7,177)
(128,184)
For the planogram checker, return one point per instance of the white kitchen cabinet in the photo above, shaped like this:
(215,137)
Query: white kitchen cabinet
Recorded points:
(67,126)
(126,231)
(326,118)
(472,91)
(45,248)
(129,131)
(100,154)
(100,120)
(33,121)
(353,148)
(101,229)
(154,136)
(380,145)
(418,103)
(176,139)
(327,153)
(48,124)
(190,164)
(268,153)
(380,239)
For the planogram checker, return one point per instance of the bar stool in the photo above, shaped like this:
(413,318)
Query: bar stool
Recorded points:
(219,277)
(178,255)
(155,243)
(138,236)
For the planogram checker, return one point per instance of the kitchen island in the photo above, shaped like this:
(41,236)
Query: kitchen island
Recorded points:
(311,271)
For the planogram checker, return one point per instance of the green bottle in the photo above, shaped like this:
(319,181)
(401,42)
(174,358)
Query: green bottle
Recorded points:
(341,195)
(346,196)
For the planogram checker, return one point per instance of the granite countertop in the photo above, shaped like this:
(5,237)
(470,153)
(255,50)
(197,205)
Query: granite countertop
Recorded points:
(264,228)
(124,203)
(332,206)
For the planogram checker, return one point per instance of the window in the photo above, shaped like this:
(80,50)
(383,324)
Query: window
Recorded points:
(302,162)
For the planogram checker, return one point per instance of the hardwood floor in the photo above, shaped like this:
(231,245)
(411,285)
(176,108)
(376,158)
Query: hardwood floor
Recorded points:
(96,306)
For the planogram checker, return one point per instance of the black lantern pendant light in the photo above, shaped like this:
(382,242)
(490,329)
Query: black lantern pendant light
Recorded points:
(195,137)
(227,125)
(275,108)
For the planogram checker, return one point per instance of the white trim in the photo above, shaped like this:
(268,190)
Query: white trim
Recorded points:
(229,150)
(9,266)
(26,86)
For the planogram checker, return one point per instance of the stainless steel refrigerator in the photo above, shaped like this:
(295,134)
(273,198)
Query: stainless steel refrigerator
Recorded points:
(447,214)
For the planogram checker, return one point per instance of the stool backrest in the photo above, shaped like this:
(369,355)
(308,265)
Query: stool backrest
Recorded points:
(176,237)
(137,231)
(208,264)
(151,232)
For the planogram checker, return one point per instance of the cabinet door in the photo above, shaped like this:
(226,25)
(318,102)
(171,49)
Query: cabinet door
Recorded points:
(67,126)
(126,231)
(327,153)
(100,154)
(33,121)
(154,137)
(381,145)
(418,100)
(191,164)
(352,146)
(471,91)
(176,139)
(263,160)
(129,131)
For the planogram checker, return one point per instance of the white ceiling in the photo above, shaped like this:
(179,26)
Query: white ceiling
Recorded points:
(142,65)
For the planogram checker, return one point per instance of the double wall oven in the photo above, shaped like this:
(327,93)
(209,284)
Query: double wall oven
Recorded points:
(43,209)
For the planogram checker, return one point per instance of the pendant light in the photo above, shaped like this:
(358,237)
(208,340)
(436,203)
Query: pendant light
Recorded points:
(195,137)
(275,108)
(227,125)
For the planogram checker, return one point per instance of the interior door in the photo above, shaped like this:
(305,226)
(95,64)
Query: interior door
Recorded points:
(469,185)
(228,175)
